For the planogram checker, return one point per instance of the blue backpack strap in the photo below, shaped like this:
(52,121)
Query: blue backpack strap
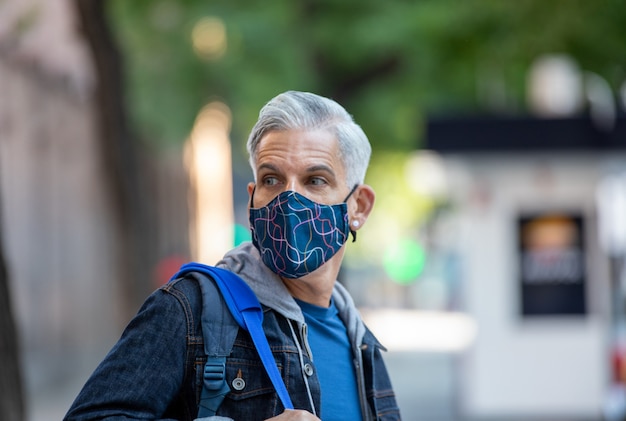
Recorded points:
(247,312)
(219,330)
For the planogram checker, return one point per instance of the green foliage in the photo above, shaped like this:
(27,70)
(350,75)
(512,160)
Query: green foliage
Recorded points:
(390,63)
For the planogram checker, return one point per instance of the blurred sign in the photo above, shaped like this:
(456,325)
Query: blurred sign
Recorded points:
(552,264)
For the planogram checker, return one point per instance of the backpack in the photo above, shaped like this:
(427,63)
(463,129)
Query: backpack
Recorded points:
(219,330)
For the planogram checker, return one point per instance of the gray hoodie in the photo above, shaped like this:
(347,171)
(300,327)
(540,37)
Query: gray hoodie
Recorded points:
(245,261)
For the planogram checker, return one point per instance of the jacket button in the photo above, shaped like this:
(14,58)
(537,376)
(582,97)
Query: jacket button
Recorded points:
(238,383)
(308,369)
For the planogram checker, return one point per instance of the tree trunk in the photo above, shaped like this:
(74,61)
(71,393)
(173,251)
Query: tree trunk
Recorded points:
(121,155)
(11,393)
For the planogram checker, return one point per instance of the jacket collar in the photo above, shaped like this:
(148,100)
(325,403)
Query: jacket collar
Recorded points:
(246,262)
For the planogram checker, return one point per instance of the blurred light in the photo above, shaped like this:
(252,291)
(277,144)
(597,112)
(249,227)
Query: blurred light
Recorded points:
(555,86)
(426,174)
(208,37)
(209,165)
(611,205)
(411,330)
(404,261)
(167,267)
(601,102)
(550,232)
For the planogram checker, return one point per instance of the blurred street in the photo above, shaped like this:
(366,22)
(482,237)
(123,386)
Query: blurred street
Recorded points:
(423,383)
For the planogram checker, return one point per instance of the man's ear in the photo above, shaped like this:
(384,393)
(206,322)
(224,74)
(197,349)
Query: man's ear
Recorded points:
(364,196)
(251,186)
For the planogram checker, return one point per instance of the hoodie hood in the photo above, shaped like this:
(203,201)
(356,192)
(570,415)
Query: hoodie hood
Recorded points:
(246,262)
(270,290)
(349,314)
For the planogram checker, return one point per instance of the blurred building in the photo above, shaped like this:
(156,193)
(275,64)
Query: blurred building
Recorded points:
(536,276)
(61,229)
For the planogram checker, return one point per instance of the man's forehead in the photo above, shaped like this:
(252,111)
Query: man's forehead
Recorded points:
(312,143)
(300,155)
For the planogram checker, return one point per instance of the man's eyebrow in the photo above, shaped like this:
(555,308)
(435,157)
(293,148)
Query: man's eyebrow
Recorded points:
(323,168)
(270,167)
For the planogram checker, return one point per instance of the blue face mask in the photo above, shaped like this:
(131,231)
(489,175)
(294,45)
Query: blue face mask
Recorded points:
(295,235)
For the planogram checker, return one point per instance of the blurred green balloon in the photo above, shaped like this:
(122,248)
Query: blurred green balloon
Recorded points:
(404,261)
(242,234)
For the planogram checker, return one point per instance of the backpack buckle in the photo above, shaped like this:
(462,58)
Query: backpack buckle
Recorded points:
(215,372)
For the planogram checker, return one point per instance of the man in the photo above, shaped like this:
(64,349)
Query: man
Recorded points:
(309,160)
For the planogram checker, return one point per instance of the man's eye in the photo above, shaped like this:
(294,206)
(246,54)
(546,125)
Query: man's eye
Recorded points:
(317,181)
(270,181)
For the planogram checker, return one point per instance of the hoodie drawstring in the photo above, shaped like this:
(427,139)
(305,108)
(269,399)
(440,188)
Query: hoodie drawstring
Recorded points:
(301,357)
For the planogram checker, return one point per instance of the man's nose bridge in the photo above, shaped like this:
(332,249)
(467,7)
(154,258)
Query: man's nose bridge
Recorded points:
(292,185)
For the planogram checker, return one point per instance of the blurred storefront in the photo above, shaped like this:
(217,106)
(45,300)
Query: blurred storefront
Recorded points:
(536,273)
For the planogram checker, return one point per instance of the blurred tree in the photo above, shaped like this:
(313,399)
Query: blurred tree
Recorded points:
(390,63)
(124,159)
(11,392)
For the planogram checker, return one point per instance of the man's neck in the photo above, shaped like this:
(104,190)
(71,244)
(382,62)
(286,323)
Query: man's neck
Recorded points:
(314,288)
(317,287)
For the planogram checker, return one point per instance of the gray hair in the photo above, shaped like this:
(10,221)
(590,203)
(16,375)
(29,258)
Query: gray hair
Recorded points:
(294,110)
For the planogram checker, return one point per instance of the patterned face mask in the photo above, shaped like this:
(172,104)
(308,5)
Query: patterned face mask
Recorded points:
(295,235)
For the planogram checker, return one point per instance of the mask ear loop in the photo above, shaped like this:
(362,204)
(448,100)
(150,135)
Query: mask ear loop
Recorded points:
(353,232)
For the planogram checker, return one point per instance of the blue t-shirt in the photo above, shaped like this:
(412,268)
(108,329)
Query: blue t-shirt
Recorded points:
(332,355)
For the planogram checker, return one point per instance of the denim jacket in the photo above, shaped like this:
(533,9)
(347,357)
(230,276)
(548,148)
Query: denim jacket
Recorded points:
(155,371)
